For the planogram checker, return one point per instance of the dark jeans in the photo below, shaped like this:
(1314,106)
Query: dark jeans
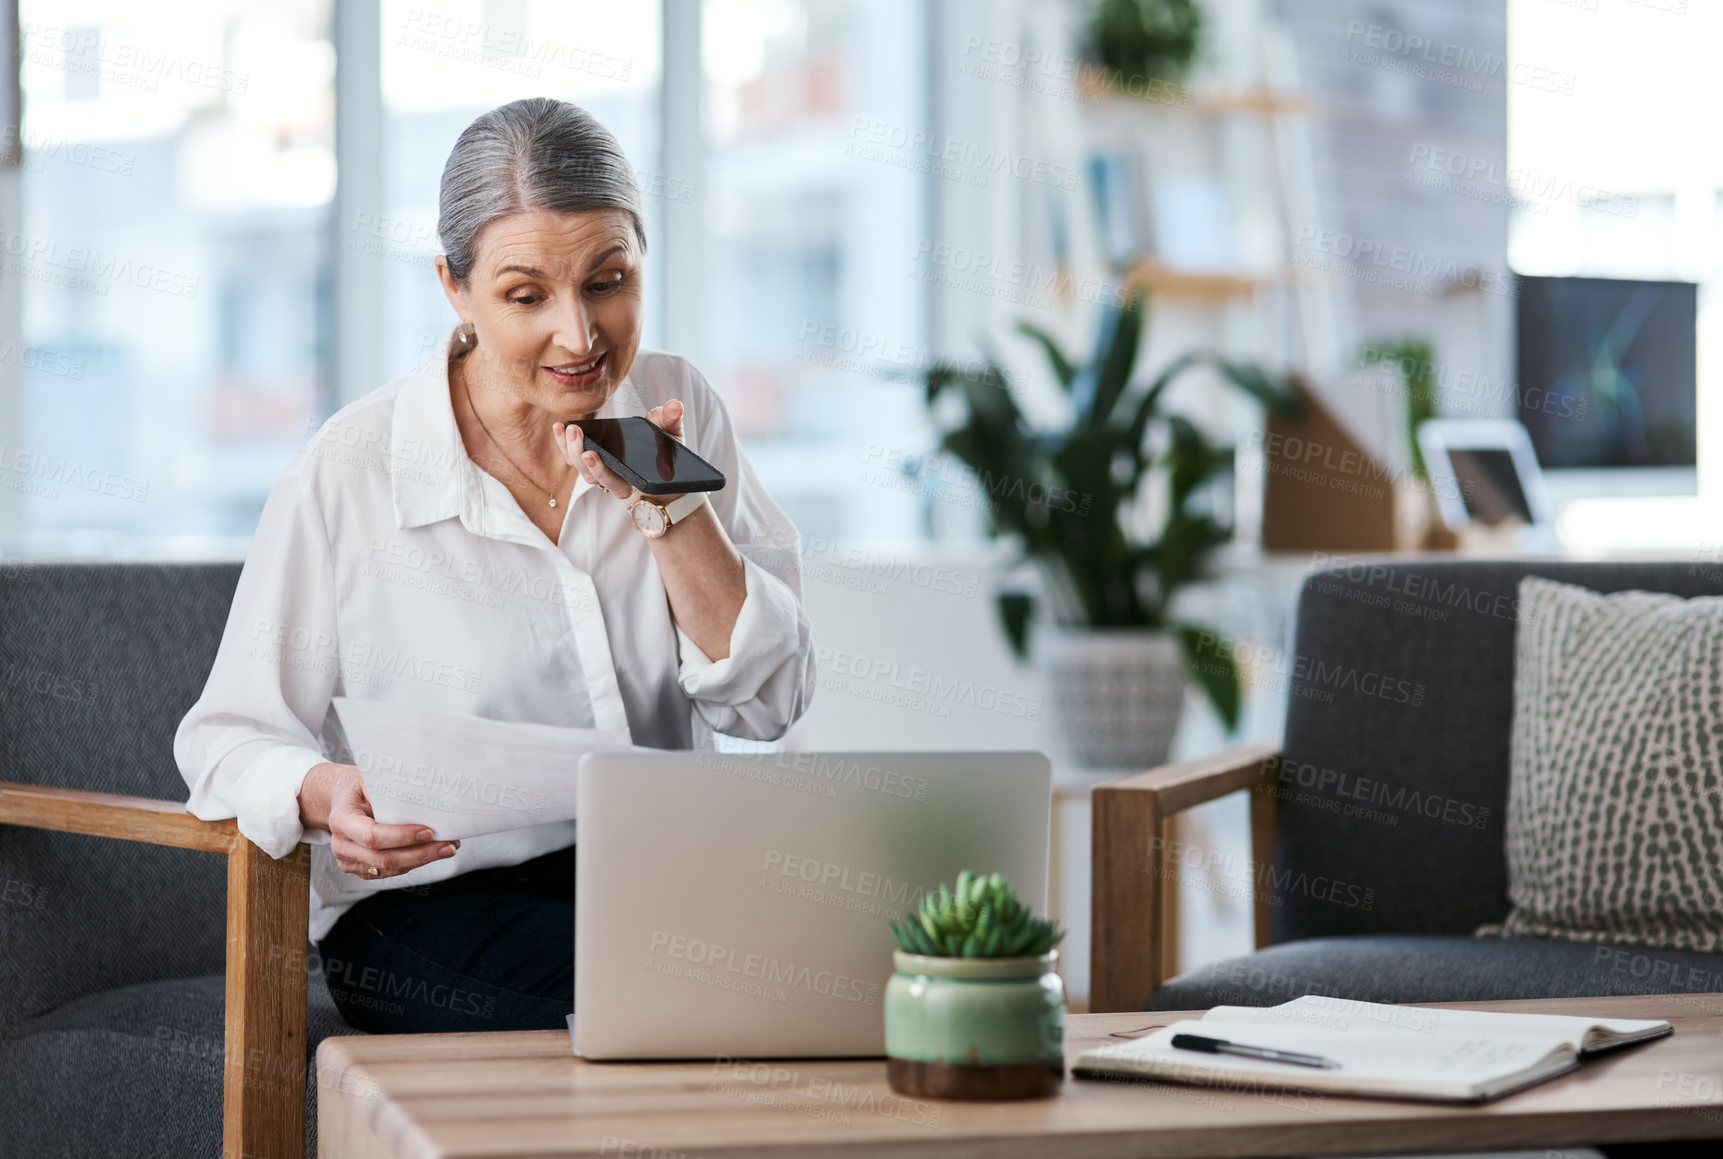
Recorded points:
(488,950)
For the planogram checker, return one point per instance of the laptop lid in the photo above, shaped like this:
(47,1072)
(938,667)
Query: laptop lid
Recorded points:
(738,905)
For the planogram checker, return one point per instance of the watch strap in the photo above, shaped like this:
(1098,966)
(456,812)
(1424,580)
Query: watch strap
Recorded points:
(680,509)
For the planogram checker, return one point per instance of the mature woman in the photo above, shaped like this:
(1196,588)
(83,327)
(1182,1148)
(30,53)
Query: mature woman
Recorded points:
(447,543)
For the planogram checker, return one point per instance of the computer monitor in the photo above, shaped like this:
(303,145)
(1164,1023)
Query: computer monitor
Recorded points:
(1607,372)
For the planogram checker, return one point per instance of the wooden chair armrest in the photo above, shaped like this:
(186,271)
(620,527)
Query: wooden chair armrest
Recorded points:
(1128,866)
(113,815)
(1182,786)
(268,904)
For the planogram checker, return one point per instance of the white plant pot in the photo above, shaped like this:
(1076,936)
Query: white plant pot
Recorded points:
(1117,693)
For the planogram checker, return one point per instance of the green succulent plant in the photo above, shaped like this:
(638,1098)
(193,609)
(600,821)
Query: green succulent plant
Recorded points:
(979,917)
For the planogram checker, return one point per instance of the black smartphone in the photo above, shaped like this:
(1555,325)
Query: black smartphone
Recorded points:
(648,457)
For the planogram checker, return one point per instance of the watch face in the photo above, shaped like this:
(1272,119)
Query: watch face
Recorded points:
(649,518)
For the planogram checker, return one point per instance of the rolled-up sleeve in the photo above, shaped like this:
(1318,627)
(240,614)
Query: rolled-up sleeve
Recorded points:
(246,745)
(767,681)
(764,684)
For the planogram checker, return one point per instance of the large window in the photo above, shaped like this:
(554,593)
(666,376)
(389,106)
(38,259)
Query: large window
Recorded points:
(810,309)
(188,261)
(1609,172)
(178,171)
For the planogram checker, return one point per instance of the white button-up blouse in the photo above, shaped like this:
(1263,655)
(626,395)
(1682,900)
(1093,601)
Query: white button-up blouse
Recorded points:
(388,566)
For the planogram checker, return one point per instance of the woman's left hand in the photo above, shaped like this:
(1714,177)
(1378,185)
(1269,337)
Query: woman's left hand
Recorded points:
(667,417)
(703,573)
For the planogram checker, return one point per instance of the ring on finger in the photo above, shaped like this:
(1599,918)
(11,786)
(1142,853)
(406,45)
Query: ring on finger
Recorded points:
(601,486)
(373,871)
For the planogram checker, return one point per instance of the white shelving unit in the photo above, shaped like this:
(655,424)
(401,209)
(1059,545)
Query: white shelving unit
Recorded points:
(1242,140)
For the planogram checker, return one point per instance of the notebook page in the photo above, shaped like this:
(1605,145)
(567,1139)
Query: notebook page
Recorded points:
(1433,1066)
(1346,1015)
(1343,1017)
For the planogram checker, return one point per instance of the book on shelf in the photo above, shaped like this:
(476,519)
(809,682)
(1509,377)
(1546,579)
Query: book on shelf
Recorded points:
(1118,182)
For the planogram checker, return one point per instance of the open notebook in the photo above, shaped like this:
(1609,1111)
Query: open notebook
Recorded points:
(1404,1052)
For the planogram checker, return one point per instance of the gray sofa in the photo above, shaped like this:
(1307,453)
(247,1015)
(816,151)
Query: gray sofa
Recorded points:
(112,952)
(1388,799)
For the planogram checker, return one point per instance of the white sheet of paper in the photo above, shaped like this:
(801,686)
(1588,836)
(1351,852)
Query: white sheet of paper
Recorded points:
(465,776)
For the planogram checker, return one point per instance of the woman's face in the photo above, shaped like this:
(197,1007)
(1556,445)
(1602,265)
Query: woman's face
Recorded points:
(555,303)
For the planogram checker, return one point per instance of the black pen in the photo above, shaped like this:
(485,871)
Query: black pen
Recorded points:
(1222,1046)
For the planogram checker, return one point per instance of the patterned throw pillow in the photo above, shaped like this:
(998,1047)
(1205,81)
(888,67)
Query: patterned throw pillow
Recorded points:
(1615,797)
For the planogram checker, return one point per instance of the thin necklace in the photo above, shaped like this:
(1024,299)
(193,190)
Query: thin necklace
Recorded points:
(466,390)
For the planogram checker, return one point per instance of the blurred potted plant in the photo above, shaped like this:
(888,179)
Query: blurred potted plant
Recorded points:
(1418,519)
(1415,361)
(1151,39)
(974,1009)
(1075,501)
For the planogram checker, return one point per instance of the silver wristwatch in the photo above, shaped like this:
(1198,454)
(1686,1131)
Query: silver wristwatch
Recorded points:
(654,519)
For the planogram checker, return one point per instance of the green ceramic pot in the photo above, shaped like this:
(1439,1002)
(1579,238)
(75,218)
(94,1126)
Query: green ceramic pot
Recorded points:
(975,1028)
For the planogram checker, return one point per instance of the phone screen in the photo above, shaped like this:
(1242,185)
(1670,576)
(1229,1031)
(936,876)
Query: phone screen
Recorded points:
(648,457)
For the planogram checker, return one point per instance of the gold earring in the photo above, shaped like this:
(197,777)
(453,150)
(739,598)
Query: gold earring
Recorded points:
(466,333)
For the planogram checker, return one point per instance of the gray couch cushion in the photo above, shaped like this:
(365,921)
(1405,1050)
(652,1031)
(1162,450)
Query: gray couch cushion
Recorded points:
(1395,770)
(135,1070)
(98,663)
(1444,969)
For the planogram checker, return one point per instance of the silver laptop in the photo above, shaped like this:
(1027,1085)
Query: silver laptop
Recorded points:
(738,905)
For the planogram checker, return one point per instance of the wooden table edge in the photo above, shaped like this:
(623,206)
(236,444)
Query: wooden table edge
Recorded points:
(343,1080)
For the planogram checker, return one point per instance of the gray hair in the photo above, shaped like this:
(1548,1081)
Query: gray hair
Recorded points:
(536,153)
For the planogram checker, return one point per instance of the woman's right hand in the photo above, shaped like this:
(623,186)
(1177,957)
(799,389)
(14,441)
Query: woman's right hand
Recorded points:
(333,797)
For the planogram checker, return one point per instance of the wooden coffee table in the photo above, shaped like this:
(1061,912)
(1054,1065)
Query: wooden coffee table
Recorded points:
(525,1094)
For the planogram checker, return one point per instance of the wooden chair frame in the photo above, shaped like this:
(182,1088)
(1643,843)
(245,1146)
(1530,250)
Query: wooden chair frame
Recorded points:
(1128,913)
(268,904)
